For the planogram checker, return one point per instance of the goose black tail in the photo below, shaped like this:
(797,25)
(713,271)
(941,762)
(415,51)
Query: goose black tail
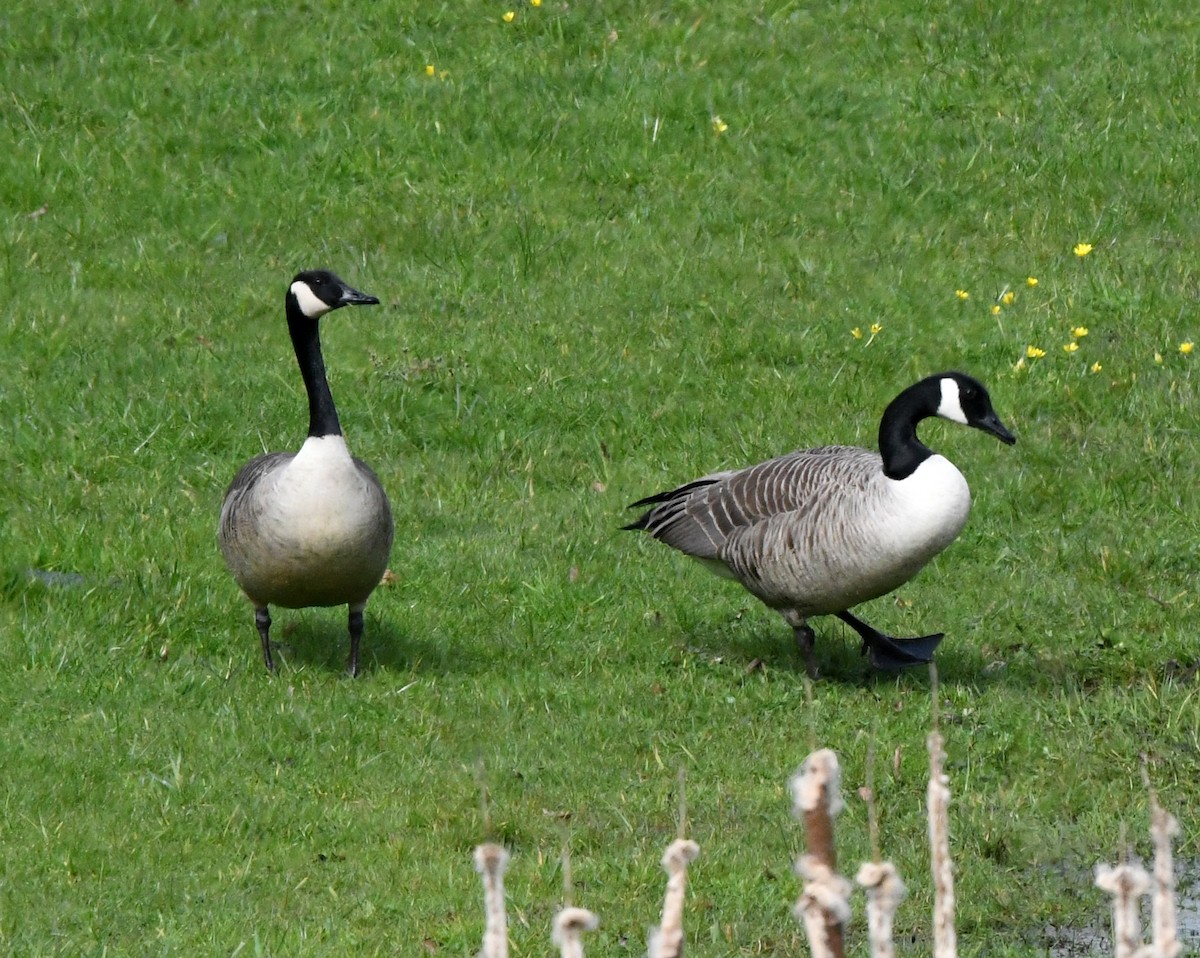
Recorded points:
(640,523)
(680,492)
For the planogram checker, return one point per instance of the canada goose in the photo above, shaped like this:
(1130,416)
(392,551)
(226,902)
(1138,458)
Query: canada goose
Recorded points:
(309,528)
(821,530)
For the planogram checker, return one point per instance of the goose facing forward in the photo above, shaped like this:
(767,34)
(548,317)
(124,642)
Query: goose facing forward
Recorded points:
(309,528)
(819,531)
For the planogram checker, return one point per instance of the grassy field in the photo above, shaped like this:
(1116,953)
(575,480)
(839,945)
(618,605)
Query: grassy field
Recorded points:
(619,245)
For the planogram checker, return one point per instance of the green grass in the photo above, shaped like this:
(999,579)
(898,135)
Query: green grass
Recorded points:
(589,295)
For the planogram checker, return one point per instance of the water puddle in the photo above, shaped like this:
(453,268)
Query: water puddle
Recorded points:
(1066,941)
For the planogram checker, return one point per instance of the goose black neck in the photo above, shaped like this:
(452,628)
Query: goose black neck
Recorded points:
(306,340)
(899,446)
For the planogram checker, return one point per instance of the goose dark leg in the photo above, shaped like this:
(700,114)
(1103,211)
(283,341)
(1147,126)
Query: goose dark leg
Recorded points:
(262,622)
(806,639)
(888,652)
(356,631)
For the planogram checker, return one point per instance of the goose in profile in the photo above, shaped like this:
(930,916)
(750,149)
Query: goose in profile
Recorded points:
(309,528)
(819,531)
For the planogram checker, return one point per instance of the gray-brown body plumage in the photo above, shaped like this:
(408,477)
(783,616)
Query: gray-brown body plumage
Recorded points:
(306,529)
(816,531)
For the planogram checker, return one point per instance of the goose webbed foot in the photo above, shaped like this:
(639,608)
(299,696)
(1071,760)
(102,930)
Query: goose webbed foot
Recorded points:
(262,622)
(356,631)
(888,652)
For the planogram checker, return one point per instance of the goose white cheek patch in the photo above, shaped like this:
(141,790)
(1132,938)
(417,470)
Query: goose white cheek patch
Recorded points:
(951,406)
(310,304)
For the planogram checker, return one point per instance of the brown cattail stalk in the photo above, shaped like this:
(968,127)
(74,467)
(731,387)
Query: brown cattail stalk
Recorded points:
(885,891)
(666,941)
(824,905)
(1126,883)
(568,928)
(945,943)
(1163,827)
(491,861)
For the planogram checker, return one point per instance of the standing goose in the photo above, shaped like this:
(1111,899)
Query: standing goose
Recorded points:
(818,531)
(309,528)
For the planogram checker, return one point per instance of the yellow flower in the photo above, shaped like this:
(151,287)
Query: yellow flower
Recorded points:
(1158,357)
(509,16)
(1082,249)
(719,126)
(1007,298)
(430,69)
(962,294)
(1070,347)
(1034,353)
(876,329)
(1096,367)
(856,333)
(1079,332)
(1030,281)
(535,3)
(1187,347)
(995,309)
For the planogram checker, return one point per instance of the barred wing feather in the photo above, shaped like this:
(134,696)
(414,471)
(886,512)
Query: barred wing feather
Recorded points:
(700,517)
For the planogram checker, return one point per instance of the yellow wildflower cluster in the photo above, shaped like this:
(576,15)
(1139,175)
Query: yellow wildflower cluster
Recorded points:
(1069,347)
(875,329)
(510,15)
(1186,348)
(1006,297)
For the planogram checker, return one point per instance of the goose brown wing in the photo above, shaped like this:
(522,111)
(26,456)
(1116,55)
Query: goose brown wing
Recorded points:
(240,494)
(698,518)
(382,507)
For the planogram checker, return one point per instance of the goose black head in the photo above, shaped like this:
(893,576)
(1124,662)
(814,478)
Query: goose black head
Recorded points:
(316,292)
(964,400)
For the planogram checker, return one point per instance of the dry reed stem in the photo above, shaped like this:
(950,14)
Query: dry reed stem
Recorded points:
(568,928)
(666,941)
(824,905)
(1126,883)
(1163,827)
(885,891)
(491,860)
(945,943)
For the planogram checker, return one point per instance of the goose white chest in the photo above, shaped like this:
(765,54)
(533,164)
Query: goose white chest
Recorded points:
(321,500)
(924,512)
